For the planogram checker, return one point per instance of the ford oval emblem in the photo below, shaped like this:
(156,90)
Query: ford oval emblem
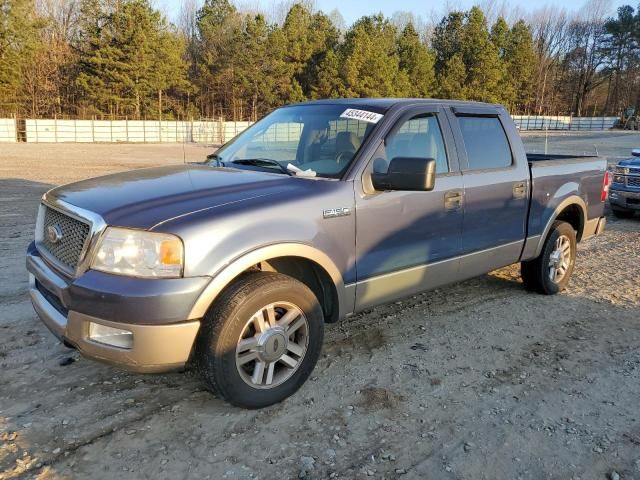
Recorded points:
(54,234)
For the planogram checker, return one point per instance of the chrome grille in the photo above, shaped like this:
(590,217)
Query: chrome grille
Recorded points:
(633,181)
(68,249)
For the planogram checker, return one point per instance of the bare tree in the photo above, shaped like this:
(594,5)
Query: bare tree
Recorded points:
(585,56)
(549,25)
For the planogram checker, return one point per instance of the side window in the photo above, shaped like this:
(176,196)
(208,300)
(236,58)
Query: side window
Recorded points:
(421,137)
(486,142)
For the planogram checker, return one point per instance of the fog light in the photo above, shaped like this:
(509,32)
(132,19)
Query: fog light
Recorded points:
(114,337)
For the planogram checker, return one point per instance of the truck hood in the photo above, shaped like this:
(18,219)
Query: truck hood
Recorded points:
(630,162)
(143,198)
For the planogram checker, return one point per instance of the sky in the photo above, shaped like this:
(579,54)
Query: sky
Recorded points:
(351,10)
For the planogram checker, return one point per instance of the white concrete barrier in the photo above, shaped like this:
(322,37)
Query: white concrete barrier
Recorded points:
(131,131)
(209,131)
(548,122)
(7,130)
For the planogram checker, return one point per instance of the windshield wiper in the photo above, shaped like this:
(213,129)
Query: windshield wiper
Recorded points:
(262,162)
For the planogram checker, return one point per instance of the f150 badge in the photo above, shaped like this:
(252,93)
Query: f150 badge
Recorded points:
(336,212)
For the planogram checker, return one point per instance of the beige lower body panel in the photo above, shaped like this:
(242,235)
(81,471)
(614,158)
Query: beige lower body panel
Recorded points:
(155,348)
(393,286)
(593,227)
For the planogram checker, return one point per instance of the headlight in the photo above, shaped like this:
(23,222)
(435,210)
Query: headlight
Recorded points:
(139,254)
(621,171)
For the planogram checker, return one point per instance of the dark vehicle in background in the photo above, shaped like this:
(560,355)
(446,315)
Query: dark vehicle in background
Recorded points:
(624,192)
(317,211)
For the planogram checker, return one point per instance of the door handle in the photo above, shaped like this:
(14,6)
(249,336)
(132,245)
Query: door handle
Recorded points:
(453,199)
(519,190)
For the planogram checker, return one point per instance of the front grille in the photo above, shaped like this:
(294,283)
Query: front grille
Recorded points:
(633,181)
(74,234)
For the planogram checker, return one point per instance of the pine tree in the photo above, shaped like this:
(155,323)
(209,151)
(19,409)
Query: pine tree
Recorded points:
(447,39)
(449,65)
(621,47)
(219,32)
(329,82)
(308,37)
(462,44)
(417,61)
(520,59)
(129,58)
(501,38)
(19,40)
(452,79)
(370,65)
(484,68)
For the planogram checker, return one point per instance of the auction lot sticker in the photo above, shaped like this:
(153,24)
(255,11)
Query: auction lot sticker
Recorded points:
(362,115)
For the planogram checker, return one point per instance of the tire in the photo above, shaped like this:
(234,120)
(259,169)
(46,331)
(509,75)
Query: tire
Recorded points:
(279,321)
(536,273)
(622,213)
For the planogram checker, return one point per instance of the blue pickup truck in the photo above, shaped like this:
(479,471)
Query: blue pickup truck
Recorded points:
(624,192)
(317,211)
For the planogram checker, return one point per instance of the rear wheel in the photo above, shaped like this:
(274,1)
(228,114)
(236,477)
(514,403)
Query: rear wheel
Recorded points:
(622,213)
(551,271)
(261,340)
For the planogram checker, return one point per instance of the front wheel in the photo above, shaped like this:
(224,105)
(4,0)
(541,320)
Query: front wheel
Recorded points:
(550,272)
(261,339)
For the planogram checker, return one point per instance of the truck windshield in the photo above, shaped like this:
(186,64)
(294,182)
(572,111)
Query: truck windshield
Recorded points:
(314,139)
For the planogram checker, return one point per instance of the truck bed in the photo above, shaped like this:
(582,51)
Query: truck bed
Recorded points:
(555,177)
(542,157)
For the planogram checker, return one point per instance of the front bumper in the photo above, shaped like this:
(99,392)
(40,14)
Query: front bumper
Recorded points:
(624,199)
(69,308)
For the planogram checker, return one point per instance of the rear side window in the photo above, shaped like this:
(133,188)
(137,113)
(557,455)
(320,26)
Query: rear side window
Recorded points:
(485,142)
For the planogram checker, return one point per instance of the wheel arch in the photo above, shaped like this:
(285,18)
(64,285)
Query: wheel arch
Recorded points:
(303,262)
(572,210)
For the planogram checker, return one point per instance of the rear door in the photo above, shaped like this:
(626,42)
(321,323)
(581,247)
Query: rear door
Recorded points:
(407,242)
(496,190)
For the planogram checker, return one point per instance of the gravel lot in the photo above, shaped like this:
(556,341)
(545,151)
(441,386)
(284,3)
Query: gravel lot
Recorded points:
(480,380)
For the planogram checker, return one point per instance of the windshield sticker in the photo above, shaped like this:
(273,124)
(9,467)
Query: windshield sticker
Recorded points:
(362,115)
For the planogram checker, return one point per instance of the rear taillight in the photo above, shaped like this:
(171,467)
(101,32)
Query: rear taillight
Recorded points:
(605,187)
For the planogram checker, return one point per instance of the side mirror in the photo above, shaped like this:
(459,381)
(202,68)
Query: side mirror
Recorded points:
(407,173)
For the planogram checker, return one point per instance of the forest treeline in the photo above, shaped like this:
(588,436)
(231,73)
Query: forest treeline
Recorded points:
(123,58)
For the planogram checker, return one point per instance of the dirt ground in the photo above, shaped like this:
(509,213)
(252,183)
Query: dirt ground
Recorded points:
(479,380)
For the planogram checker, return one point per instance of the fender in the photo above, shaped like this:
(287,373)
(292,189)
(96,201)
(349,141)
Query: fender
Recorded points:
(567,202)
(222,279)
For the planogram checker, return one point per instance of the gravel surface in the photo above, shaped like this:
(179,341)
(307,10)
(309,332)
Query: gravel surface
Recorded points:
(479,380)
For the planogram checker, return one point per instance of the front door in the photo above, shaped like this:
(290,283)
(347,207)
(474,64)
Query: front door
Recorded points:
(408,242)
